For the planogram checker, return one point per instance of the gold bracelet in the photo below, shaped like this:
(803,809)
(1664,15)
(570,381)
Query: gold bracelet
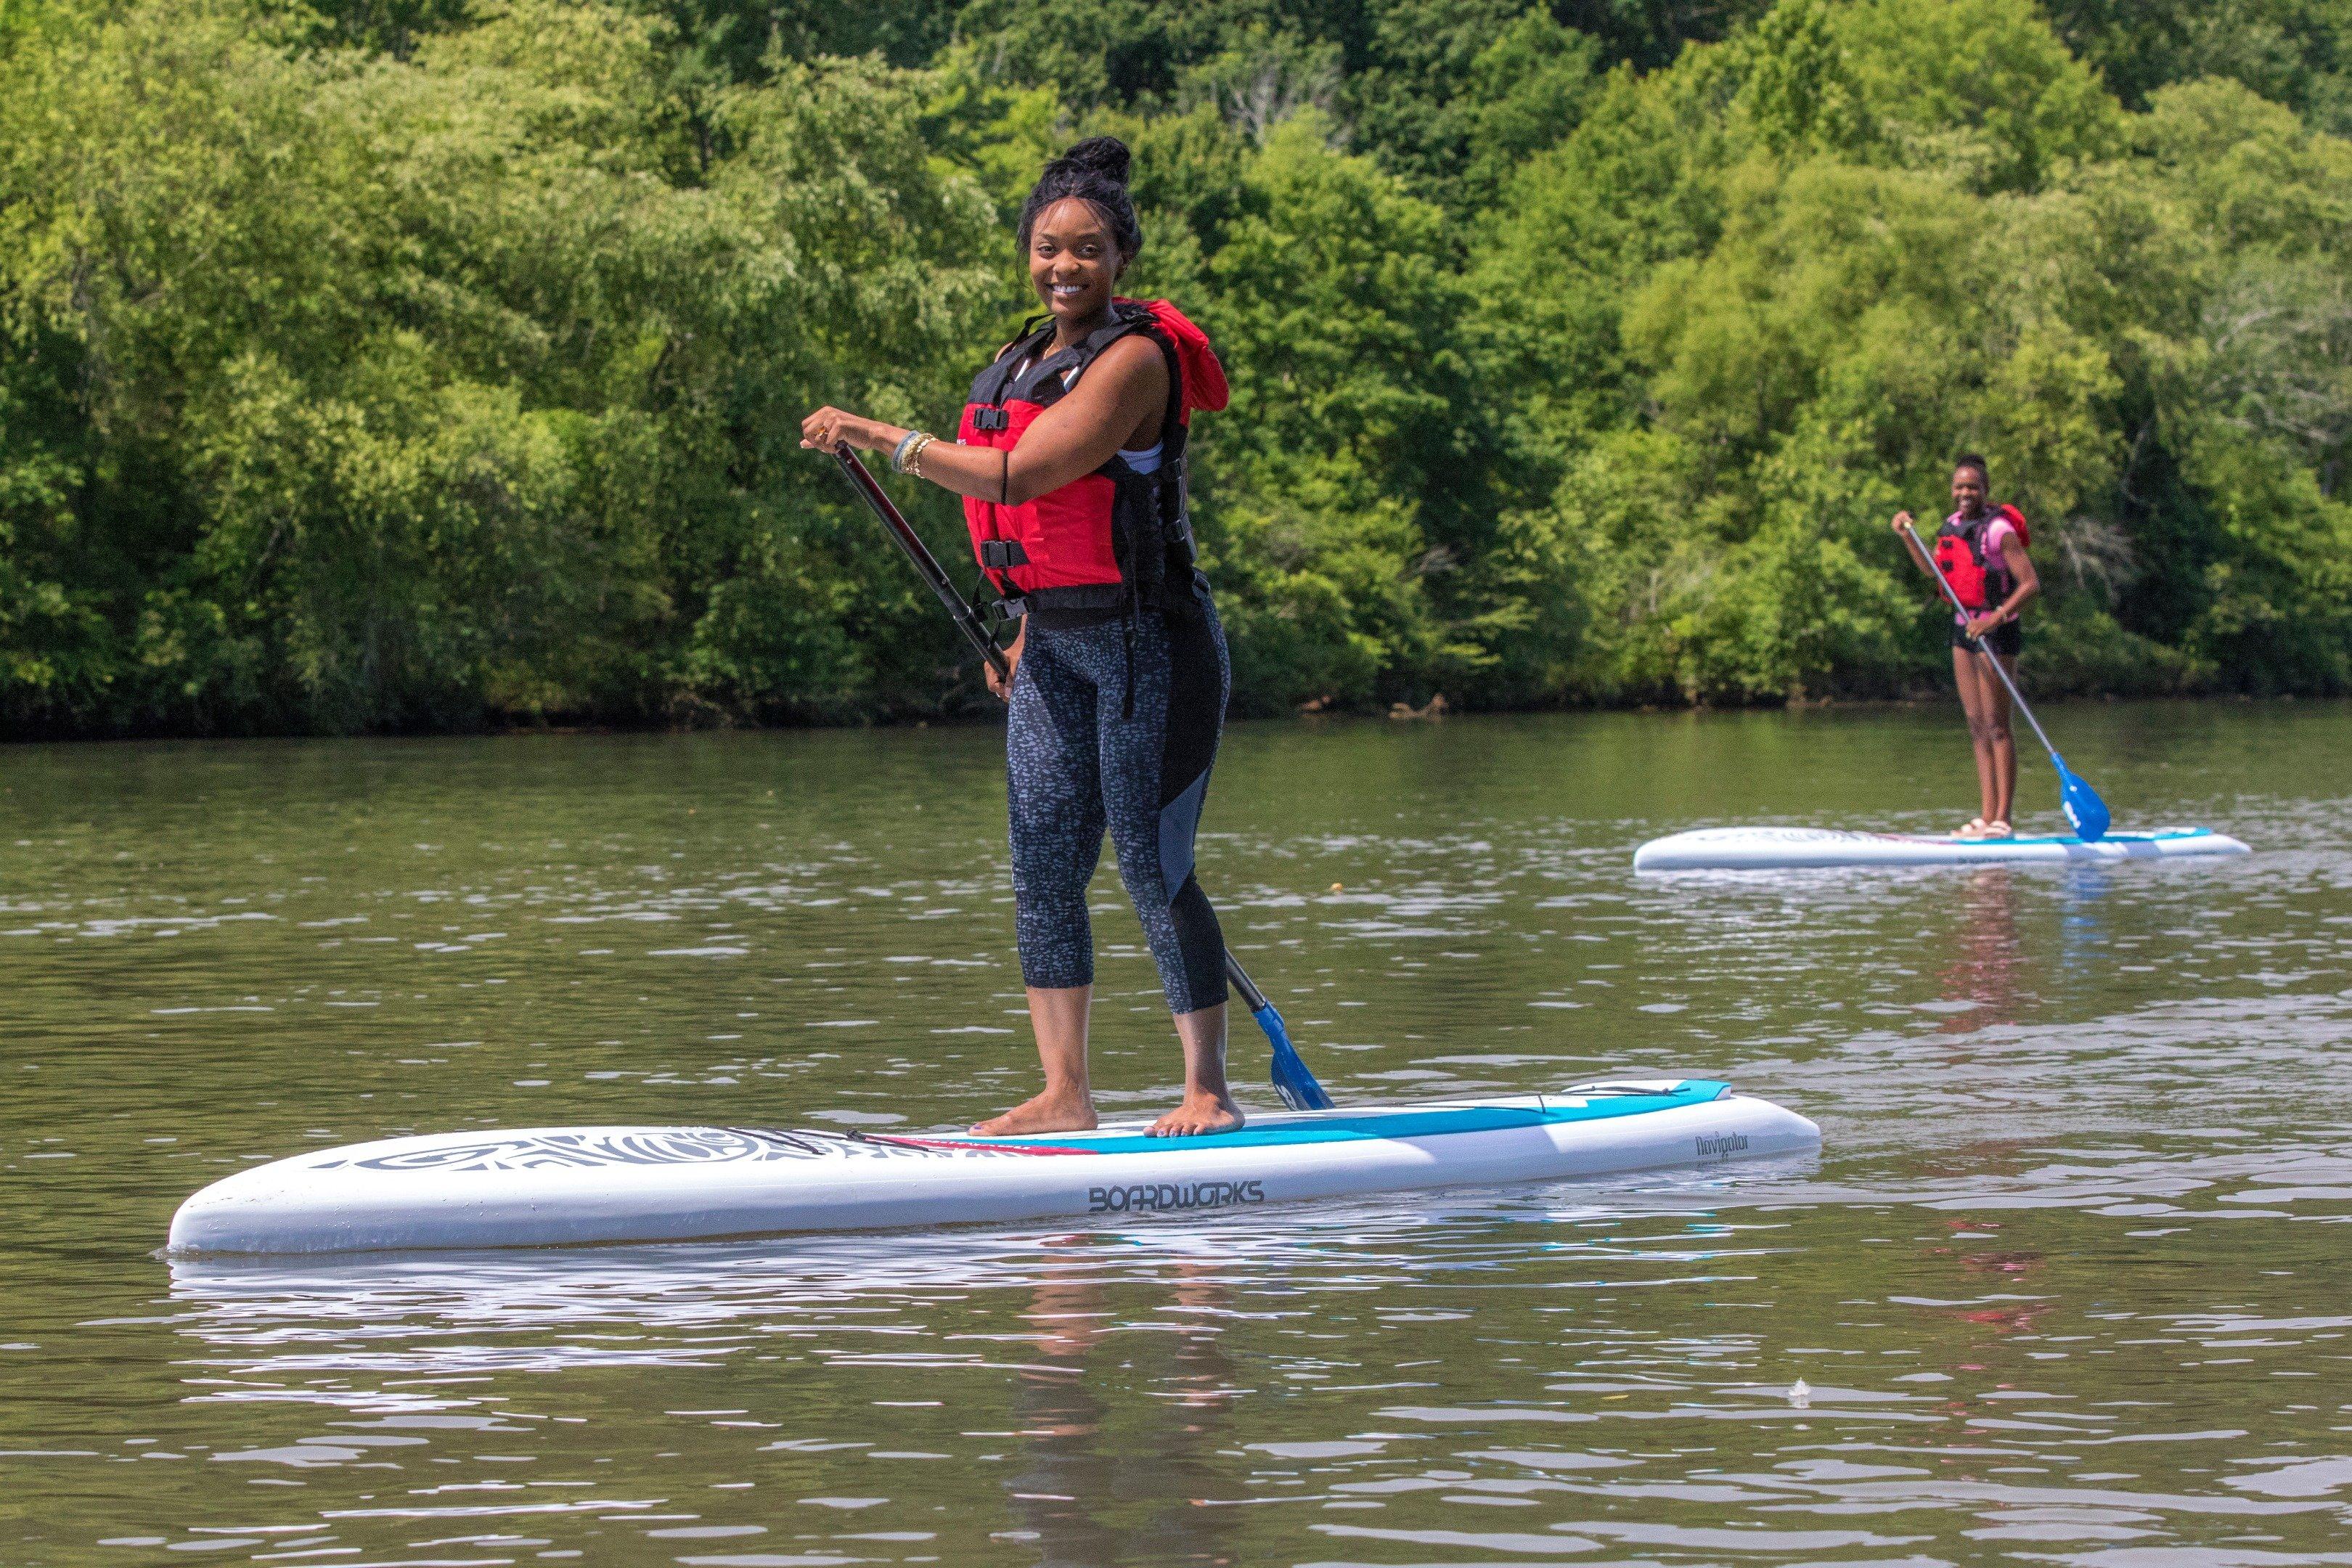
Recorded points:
(915,455)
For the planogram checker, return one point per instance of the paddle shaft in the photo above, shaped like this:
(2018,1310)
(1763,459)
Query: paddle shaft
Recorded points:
(927,567)
(1977,643)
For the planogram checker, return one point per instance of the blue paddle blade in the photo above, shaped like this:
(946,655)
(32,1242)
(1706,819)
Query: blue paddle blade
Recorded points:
(1291,1080)
(2084,807)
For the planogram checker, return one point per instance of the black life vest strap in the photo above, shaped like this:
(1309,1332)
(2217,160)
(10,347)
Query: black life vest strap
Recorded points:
(994,597)
(996,607)
(1026,358)
(1173,435)
(997,382)
(1170,485)
(1082,596)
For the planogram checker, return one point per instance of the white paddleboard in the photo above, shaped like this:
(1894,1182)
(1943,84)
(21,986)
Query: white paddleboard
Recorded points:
(1774,848)
(553,1186)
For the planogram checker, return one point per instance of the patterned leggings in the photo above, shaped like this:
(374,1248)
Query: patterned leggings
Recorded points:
(1080,762)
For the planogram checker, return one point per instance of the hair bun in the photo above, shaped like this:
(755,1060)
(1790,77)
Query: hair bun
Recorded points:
(1093,172)
(1104,155)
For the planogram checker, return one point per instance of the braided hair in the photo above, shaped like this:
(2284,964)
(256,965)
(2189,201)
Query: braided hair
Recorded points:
(1095,172)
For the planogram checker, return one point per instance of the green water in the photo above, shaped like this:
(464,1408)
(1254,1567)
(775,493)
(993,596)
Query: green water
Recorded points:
(2068,1283)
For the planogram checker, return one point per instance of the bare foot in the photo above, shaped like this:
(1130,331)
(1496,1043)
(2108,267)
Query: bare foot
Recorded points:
(1055,1110)
(1201,1112)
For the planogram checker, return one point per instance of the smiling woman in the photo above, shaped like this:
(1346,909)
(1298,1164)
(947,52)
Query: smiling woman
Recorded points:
(1070,459)
(1979,554)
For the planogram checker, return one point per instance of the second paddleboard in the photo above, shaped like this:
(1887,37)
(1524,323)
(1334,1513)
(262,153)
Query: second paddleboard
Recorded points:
(1780,849)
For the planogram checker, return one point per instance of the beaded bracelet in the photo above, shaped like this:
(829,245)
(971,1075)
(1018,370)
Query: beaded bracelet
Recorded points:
(899,457)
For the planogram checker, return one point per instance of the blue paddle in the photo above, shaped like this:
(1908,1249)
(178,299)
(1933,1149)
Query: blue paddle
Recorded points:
(1292,1080)
(2084,807)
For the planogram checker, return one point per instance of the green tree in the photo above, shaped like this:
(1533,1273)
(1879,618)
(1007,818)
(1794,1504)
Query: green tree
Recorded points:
(412,363)
(1345,478)
(390,394)
(2295,52)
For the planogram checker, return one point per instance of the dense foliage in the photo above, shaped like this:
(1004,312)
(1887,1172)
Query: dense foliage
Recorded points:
(382,363)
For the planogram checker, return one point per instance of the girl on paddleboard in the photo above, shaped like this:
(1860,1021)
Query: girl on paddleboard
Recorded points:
(1070,459)
(1980,551)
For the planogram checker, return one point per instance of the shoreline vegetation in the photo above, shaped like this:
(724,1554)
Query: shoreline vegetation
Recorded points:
(416,365)
(976,716)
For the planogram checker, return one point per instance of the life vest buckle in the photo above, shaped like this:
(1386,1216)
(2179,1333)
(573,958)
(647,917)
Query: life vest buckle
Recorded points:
(1002,554)
(1176,514)
(992,419)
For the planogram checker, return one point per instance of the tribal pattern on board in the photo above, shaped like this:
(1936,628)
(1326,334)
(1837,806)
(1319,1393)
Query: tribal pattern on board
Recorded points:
(637,1146)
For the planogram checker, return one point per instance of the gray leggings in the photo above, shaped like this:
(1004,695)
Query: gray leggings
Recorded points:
(1098,741)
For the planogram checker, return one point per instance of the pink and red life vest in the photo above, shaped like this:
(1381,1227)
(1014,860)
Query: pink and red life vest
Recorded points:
(1978,575)
(1114,537)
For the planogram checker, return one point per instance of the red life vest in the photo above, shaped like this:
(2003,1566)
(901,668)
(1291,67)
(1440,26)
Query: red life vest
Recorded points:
(1980,577)
(1113,537)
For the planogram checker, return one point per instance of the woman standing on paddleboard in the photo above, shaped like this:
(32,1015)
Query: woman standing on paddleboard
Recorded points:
(1980,551)
(1070,459)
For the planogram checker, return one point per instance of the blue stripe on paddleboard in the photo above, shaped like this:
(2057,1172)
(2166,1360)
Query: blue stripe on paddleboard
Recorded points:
(1433,1123)
(2067,838)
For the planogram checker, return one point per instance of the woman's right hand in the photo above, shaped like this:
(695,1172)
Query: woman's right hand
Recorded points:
(831,430)
(1002,684)
(1902,523)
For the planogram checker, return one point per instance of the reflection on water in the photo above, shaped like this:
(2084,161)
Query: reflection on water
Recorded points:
(1074,1471)
(1980,984)
(2065,1284)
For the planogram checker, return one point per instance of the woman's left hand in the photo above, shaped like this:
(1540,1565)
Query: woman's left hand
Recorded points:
(1979,624)
(829,429)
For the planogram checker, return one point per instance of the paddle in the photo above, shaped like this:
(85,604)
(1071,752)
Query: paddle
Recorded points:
(2084,807)
(1292,1080)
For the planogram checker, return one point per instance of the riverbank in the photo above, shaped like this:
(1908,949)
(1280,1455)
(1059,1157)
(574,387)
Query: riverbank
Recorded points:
(982,710)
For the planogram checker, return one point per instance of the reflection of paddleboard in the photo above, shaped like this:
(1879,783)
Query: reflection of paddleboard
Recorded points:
(1765,848)
(581,1184)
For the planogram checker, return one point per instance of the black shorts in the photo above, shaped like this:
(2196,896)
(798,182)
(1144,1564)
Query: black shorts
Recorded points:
(2007,639)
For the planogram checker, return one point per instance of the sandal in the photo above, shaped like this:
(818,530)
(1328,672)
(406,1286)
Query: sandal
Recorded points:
(1975,829)
(1998,830)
